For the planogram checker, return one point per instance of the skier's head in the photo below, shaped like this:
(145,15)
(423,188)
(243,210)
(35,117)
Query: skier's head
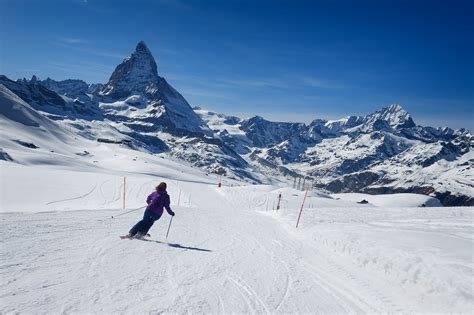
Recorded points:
(161,187)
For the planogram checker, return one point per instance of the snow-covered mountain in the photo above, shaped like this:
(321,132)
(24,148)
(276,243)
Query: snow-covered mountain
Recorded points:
(136,81)
(394,115)
(69,88)
(136,107)
(137,74)
(381,152)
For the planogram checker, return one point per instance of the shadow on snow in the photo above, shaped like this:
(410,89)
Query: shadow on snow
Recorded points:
(180,246)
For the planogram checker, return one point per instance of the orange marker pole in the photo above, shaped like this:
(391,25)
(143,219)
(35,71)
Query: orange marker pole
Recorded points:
(301,210)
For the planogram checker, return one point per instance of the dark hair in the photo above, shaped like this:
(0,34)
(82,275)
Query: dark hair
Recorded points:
(161,187)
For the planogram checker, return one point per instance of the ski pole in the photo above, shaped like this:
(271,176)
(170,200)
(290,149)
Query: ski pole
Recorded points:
(128,212)
(171,220)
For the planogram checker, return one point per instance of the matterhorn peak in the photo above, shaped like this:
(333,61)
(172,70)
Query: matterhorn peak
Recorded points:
(137,74)
(142,47)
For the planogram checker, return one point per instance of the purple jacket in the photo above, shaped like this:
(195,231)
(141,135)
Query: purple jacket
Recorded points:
(157,201)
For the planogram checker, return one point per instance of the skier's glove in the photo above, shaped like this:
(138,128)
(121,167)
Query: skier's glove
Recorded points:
(172,214)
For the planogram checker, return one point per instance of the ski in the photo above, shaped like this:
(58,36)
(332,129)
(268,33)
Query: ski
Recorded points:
(128,237)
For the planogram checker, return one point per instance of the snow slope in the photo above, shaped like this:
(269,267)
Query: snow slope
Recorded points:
(387,200)
(22,126)
(227,252)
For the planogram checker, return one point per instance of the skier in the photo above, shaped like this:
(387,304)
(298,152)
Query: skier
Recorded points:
(156,201)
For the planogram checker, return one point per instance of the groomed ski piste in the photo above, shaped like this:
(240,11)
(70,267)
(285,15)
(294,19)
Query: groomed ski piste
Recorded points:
(228,250)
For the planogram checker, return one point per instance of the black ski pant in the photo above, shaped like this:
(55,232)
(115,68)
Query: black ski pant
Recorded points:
(145,224)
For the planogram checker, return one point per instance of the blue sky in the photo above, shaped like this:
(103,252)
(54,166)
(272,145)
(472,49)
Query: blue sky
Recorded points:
(284,60)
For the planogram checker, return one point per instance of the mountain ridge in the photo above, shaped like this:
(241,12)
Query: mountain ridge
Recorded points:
(367,153)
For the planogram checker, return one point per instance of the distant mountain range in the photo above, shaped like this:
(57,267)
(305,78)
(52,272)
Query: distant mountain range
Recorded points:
(383,152)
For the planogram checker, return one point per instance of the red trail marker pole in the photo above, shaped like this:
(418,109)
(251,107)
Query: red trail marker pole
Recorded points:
(301,210)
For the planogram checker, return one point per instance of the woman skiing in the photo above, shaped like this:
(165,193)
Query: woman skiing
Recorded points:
(156,201)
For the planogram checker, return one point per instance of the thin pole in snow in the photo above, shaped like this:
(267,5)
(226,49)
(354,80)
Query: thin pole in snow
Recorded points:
(124,187)
(167,232)
(301,210)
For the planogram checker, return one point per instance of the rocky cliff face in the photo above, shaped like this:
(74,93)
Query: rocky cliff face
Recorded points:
(166,109)
(394,115)
(33,93)
(69,88)
(137,74)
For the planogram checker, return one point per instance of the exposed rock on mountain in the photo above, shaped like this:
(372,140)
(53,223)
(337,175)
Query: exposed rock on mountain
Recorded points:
(394,115)
(382,152)
(166,109)
(373,153)
(137,74)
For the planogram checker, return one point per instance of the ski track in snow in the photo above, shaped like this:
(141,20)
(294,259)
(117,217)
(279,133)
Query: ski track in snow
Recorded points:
(74,198)
(228,255)
(102,192)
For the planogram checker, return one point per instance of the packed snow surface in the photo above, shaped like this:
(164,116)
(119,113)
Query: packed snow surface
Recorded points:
(389,200)
(228,251)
